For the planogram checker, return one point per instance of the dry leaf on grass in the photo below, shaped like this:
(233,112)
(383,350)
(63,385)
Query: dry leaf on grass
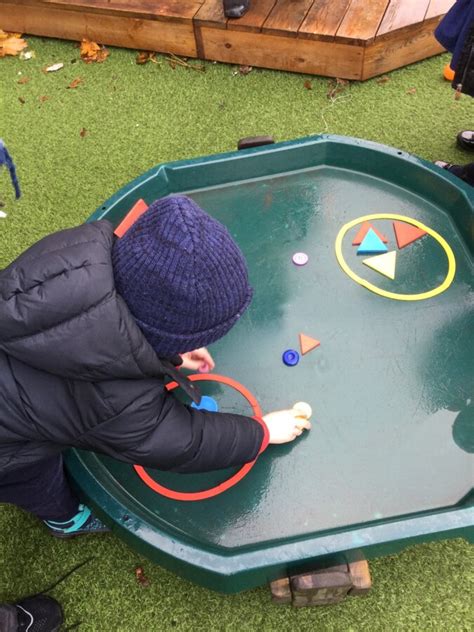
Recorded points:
(173,60)
(21,100)
(411,91)
(336,87)
(54,67)
(75,82)
(83,132)
(144,56)
(27,54)
(308,85)
(141,578)
(11,43)
(23,80)
(244,70)
(91,51)
(4,35)
(43,99)
(383,79)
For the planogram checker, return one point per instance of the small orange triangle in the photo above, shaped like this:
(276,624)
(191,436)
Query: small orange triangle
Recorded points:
(307,343)
(363,230)
(406,233)
(131,217)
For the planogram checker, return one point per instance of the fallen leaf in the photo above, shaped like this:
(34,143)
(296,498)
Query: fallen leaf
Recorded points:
(27,54)
(336,87)
(411,91)
(21,100)
(11,43)
(308,85)
(383,79)
(83,132)
(244,70)
(173,60)
(43,99)
(141,578)
(54,67)
(5,35)
(75,82)
(91,51)
(144,56)
(23,80)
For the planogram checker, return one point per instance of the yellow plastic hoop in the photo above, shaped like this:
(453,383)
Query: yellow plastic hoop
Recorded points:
(373,288)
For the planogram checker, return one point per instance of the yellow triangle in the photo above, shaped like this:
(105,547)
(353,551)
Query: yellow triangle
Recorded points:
(385,264)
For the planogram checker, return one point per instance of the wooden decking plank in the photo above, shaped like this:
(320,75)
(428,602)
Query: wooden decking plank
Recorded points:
(400,48)
(211,13)
(362,20)
(286,17)
(149,9)
(402,13)
(254,19)
(323,19)
(284,53)
(136,33)
(438,7)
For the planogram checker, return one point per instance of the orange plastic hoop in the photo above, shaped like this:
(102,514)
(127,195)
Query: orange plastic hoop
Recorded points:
(235,478)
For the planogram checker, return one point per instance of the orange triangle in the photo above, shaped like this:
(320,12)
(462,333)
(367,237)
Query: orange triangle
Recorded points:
(307,343)
(131,217)
(364,229)
(406,233)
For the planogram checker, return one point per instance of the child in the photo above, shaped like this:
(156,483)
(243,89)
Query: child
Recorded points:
(456,33)
(91,326)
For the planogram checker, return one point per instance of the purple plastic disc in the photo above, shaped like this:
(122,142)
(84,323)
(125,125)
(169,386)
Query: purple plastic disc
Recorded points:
(300,258)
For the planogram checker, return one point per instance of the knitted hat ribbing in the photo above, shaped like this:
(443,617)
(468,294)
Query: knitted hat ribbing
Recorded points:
(182,276)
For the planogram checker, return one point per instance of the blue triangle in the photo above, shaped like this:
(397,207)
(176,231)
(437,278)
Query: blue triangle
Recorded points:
(371,244)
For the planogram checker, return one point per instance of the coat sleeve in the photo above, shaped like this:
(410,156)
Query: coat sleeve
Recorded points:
(155,429)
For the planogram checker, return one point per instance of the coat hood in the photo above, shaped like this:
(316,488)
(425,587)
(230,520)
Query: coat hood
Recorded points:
(60,312)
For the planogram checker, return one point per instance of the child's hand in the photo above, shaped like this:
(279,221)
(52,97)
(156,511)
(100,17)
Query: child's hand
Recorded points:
(285,425)
(198,360)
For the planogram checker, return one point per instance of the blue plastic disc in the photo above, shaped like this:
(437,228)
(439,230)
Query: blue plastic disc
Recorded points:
(291,357)
(207,403)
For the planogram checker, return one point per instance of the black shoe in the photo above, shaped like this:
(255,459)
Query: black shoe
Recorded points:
(38,614)
(465,140)
(236,8)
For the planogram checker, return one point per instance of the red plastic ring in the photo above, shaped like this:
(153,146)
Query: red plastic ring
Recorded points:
(235,478)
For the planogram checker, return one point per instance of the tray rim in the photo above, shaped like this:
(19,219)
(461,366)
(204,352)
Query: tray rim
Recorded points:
(234,569)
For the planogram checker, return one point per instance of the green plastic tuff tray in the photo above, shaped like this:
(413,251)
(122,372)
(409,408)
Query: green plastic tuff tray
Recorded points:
(389,460)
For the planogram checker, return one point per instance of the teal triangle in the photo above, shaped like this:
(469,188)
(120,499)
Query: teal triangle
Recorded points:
(371,244)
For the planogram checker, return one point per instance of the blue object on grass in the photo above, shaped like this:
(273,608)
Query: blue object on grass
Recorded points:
(6,159)
(371,244)
(291,357)
(207,403)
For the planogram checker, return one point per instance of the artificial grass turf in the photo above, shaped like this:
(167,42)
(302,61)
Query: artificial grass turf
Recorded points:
(135,117)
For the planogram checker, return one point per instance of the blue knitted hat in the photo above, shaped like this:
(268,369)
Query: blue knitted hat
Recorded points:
(182,276)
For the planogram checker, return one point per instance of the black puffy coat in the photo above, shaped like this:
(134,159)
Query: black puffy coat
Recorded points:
(75,369)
